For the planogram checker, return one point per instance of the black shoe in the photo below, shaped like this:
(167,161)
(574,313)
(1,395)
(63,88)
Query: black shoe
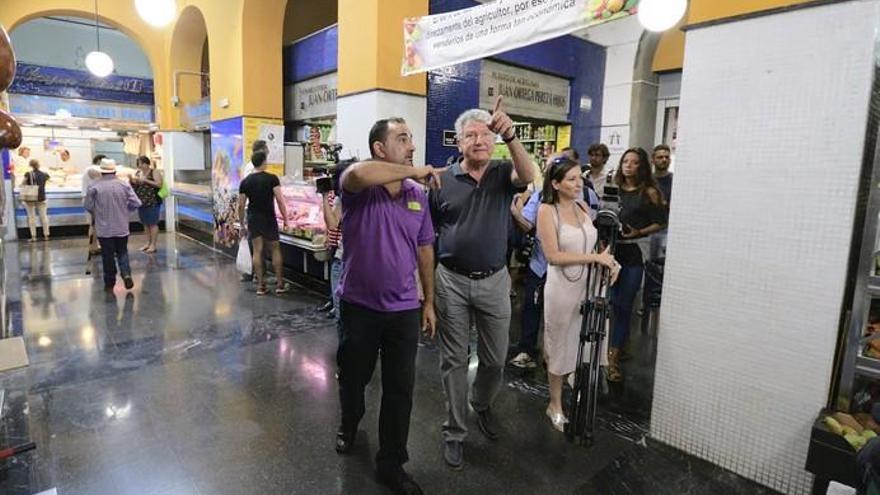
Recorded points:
(399,481)
(327,307)
(453,454)
(344,442)
(486,422)
(129,283)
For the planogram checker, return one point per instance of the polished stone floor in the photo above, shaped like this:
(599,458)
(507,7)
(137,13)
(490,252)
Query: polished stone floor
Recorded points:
(192,384)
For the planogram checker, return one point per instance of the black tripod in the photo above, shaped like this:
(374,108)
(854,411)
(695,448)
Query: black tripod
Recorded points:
(595,310)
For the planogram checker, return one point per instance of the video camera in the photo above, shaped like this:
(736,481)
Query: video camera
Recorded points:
(333,150)
(607,220)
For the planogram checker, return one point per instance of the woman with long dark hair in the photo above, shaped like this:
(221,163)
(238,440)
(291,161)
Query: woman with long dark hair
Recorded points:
(568,239)
(642,213)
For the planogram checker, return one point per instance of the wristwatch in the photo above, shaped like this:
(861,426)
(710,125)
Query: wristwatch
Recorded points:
(508,140)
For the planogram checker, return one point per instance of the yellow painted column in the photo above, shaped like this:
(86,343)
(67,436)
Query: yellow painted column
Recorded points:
(371,46)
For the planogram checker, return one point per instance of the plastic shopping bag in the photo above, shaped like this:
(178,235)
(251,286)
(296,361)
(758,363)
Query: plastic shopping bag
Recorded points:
(243,261)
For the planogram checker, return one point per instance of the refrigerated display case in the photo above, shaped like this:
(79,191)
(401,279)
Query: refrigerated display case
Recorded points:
(302,243)
(305,217)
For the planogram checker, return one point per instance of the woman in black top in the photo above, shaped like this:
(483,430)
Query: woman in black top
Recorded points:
(642,212)
(36,177)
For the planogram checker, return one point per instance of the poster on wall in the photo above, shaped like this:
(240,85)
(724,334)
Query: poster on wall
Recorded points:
(616,138)
(435,41)
(526,93)
(311,99)
(226,161)
(271,131)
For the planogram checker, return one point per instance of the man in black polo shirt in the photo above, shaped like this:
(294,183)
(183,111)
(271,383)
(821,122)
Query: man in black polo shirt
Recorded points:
(471,212)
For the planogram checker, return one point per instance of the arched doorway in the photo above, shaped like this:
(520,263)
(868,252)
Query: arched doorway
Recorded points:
(189,61)
(69,116)
(188,151)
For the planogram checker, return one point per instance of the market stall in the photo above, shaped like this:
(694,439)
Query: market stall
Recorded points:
(65,154)
(312,149)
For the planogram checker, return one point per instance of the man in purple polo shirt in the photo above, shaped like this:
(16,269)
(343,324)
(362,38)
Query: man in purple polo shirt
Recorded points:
(387,229)
(111,201)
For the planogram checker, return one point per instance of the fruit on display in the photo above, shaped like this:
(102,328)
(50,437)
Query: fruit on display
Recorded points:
(855,434)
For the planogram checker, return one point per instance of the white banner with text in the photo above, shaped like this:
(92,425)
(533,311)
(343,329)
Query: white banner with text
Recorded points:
(440,40)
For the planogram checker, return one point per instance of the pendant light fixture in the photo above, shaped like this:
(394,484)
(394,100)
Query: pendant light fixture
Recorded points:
(660,15)
(99,63)
(157,13)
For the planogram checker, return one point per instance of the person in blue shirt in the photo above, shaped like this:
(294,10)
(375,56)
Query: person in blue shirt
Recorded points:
(533,304)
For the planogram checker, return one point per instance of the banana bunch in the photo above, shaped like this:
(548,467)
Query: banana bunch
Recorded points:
(846,426)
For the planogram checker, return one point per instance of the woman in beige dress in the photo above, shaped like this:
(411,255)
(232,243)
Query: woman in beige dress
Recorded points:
(568,239)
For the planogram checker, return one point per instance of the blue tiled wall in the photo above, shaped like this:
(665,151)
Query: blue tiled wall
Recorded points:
(311,56)
(454,89)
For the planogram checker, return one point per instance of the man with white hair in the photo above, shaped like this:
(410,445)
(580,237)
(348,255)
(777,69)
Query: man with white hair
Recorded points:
(471,212)
(111,201)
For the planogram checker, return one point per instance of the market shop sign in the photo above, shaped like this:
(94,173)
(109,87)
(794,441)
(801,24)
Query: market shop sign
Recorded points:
(312,98)
(67,83)
(47,105)
(434,41)
(526,93)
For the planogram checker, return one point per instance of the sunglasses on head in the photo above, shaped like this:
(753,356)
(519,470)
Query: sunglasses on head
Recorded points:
(559,160)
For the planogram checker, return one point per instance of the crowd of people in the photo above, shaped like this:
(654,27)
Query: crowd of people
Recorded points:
(427,249)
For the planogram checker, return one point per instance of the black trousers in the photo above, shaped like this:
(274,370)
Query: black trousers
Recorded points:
(114,250)
(366,334)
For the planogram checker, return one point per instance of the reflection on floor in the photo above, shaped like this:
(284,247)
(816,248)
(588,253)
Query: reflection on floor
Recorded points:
(192,384)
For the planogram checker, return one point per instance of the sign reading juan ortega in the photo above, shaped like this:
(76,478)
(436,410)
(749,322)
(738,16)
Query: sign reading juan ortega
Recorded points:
(526,93)
(312,98)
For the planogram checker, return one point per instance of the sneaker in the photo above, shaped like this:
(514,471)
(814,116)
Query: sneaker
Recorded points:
(523,360)
(129,283)
(398,481)
(453,454)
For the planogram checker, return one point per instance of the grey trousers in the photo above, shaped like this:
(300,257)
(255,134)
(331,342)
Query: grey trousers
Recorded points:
(458,300)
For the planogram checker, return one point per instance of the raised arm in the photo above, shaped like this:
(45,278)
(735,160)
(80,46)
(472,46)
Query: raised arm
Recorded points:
(367,174)
(523,168)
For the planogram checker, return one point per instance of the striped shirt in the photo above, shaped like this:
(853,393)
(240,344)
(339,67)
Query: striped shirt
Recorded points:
(334,236)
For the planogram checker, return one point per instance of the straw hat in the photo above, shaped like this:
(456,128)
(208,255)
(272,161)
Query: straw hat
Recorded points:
(108,166)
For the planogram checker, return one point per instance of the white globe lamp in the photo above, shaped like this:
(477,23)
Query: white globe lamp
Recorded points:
(660,15)
(157,13)
(99,63)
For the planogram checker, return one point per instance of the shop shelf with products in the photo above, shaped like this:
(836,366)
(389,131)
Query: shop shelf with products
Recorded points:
(538,137)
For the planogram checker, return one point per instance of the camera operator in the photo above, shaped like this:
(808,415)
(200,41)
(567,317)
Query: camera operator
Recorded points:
(568,237)
(642,213)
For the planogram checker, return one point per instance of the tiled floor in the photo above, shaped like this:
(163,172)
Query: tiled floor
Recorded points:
(193,384)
